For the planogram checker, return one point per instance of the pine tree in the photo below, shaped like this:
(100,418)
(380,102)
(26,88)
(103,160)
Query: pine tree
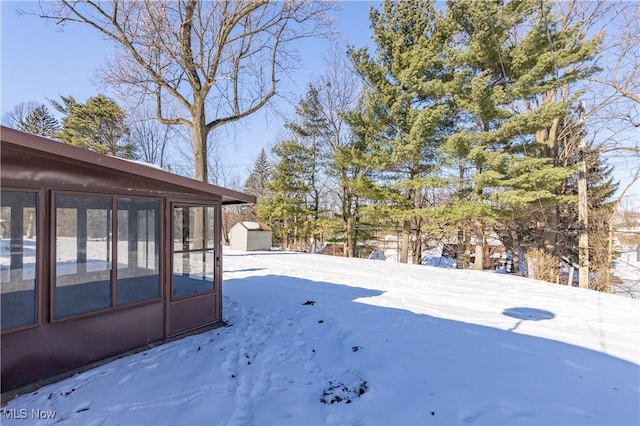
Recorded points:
(286,209)
(18,114)
(257,184)
(258,180)
(97,125)
(406,113)
(40,122)
(311,129)
(518,64)
(321,120)
(600,189)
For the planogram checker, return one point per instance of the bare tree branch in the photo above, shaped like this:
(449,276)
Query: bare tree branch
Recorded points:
(228,55)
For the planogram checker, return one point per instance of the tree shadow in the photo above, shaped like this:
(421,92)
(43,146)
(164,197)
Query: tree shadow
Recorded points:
(527,314)
(262,253)
(243,270)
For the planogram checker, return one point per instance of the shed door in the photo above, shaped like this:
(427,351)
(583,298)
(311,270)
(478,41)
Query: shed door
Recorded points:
(194,292)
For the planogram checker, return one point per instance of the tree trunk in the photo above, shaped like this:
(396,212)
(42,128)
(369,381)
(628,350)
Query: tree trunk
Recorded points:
(285,235)
(350,240)
(487,255)
(583,223)
(478,265)
(199,133)
(225,231)
(550,234)
(417,244)
(461,233)
(607,271)
(570,277)
(467,245)
(404,247)
(516,252)
(460,248)
(295,243)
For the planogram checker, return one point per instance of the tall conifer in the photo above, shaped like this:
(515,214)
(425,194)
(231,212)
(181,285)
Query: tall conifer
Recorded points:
(40,122)
(520,67)
(406,111)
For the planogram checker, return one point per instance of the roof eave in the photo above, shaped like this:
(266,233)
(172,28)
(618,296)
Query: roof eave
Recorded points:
(52,147)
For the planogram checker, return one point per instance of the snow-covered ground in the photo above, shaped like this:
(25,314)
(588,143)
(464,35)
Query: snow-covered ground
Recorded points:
(320,340)
(627,269)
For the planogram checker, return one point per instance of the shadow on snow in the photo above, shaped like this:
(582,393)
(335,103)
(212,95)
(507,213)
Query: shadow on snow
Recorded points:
(491,372)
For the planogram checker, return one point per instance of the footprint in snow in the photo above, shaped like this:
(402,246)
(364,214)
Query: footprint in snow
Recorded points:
(126,379)
(82,407)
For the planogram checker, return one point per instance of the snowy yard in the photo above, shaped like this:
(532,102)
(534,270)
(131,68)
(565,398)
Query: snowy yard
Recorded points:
(627,269)
(320,340)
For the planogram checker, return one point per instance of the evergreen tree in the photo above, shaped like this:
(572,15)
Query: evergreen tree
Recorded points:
(40,122)
(257,184)
(97,125)
(600,189)
(311,131)
(518,64)
(321,120)
(286,210)
(18,114)
(258,180)
(405,113)
(348,167)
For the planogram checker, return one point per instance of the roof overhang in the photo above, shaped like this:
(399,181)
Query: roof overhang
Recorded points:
(49,149)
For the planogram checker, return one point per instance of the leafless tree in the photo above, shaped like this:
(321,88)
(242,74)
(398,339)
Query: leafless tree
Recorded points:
(613,96)
(18,114)
(151,139)
(623,68)
(217,61)
(338,92)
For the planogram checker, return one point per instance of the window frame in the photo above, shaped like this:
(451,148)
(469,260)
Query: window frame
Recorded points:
(39,277)
(159,246)
(113,282)
(172,252)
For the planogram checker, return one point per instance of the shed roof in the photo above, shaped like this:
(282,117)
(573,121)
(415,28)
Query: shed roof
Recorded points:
(14,142)
(255,226)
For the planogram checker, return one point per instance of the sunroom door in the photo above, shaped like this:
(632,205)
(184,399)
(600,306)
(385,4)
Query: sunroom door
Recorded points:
(194,299)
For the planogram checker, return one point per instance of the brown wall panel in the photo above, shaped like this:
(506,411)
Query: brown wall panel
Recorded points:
(193,312)
(39,352)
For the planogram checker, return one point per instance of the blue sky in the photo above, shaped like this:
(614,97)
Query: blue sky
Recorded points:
(40,62)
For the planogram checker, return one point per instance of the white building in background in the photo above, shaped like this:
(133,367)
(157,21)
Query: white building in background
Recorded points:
(250,236)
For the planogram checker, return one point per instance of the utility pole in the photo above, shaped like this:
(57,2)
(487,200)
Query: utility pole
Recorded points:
(583,212)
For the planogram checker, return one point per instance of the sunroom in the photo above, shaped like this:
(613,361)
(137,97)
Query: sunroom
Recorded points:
(99,256)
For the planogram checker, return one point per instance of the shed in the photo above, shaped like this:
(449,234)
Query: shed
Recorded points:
(250,236)
(100,255)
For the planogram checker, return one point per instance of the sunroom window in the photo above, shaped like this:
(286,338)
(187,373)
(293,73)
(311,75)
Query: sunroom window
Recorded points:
(138,250)
(193,249)
(87,240)
(83,254)
(18,258)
